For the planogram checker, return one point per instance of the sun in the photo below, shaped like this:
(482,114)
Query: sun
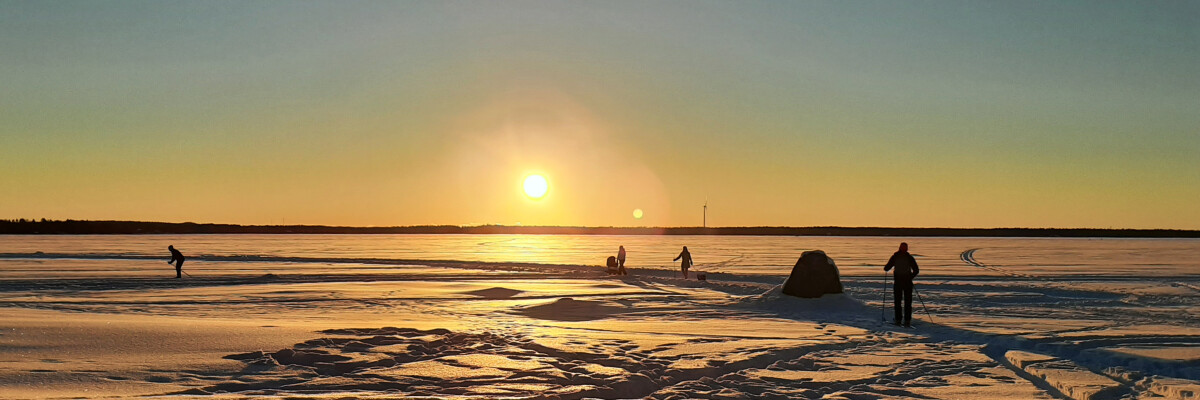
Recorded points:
(536,186)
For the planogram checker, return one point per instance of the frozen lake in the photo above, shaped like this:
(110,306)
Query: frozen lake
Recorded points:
(769,255)
(534,316)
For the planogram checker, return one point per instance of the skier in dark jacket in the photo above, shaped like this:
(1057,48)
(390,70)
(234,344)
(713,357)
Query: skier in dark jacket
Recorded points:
(906,270)
(177,258)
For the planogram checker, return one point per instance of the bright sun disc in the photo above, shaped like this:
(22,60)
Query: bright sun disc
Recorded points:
(536,186)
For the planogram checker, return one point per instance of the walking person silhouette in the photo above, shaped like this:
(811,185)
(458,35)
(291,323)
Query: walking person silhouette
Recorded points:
(902,290)
(177,258)
(686,263)
(621,261)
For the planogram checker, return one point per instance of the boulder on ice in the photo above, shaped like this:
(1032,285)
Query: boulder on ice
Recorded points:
(814,275)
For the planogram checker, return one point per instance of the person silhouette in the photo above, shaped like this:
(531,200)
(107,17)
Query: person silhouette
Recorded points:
(686,263)
(906,270)
(177,258)
(621,260)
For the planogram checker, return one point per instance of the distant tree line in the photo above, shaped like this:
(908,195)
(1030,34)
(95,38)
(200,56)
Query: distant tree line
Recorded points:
(76,227)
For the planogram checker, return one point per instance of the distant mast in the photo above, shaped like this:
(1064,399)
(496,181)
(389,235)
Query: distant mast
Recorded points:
(705,223)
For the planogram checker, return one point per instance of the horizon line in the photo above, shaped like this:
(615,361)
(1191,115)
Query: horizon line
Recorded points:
(585,227)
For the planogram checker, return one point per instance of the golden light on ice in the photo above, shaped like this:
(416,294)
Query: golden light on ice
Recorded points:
(536,186)
(637,213)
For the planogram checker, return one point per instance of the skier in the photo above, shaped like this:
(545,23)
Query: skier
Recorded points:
(177,258)
(906,270)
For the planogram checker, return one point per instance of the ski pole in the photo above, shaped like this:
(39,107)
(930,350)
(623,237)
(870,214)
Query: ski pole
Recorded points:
(883,304)
(184,272)
(922,304)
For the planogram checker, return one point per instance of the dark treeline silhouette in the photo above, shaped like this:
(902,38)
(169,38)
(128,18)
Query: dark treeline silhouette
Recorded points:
(75,227)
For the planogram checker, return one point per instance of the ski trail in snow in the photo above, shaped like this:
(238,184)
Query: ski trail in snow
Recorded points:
(1186,285)
(969,258)
(717,266)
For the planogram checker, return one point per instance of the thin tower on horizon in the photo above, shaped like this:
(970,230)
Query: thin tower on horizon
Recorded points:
(704,223)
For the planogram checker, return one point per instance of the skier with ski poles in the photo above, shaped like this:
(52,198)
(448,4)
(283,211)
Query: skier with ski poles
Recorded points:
(177,258)
(902,287)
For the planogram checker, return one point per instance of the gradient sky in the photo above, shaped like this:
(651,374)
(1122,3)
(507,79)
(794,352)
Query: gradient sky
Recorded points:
(890,113)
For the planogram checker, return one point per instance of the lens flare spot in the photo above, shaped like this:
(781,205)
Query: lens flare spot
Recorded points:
(637,213)
(536,186)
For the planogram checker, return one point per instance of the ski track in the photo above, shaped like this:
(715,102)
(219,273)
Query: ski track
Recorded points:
(968,257)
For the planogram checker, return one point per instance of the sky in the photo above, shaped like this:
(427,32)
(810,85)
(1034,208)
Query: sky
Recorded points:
(792,113)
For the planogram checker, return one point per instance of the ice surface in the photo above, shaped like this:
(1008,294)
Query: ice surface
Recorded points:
(329,317)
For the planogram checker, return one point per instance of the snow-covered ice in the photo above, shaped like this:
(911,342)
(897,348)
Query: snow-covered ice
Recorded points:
(90,323)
